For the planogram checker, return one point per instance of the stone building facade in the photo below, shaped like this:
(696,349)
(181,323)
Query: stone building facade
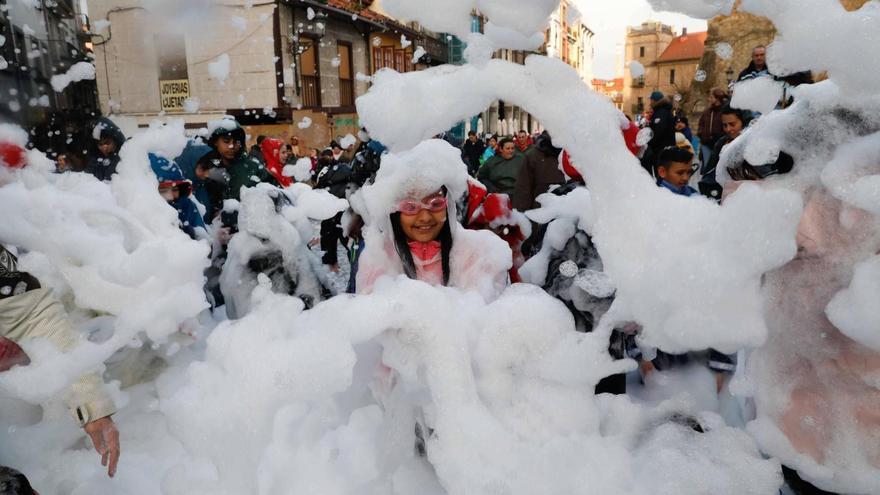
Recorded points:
(282,68)
(570,39)
(742,31)
(644,44)
(676,68)
(611,89)
(39,41)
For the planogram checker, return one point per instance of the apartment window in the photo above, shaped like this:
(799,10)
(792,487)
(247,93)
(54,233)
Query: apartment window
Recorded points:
(671,76)
(476,24)
(388,56)
(641,52)
(173,73)
(346,74)
(310,94)
(400,60)
(171,55)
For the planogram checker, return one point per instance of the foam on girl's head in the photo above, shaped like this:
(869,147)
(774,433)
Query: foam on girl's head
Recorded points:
(419,172)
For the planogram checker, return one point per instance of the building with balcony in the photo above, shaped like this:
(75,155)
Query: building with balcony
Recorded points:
(676,68)
(644,44)
(42,39)
(568,38)
(611,89)
(291,67)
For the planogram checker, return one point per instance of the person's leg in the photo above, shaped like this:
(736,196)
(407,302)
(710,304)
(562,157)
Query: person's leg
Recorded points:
(329,238)
(705,155)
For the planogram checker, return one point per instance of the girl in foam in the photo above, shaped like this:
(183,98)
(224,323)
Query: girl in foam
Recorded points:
(411,230)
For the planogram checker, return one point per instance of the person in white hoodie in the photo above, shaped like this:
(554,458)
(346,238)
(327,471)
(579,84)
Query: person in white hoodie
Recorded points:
(29,311)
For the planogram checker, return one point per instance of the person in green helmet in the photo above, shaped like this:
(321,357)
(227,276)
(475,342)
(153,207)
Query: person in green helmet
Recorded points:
(228,140)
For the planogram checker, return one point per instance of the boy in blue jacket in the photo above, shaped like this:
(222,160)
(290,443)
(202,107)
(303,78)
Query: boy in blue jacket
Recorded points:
(674,170)
(175,189)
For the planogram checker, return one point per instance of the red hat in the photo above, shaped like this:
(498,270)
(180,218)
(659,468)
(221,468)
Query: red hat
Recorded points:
(12,155)
(568,167)
(271,156)
(629,136)
(496,206)
(476,194)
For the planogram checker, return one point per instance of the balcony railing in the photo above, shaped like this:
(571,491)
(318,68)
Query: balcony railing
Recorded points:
(346,92)
(311,92)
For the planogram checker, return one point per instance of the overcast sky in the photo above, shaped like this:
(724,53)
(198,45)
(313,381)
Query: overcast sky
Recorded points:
(609,19)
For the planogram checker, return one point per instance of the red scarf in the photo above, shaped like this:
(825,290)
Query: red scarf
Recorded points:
(428,261)
(11,354)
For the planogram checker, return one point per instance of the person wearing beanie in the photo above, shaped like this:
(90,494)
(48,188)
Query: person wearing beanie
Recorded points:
(177,191)
(103,155)
(334,177)
(662,125)
(228,140)
(275,155)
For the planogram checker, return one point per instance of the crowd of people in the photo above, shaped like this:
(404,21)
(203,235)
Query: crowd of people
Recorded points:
(506,175)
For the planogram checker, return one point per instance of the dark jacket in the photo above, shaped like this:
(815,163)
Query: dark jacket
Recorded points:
(710,128)
(366,163)
(538,174)
(663,126)
(500,175)
(333,177)
(244,171)
(709,185)
(168,173)
(205,191)
(752,72)
(472,152)
(683,191)
(103,167)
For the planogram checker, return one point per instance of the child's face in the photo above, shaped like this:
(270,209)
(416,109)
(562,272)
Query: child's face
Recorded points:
(732,125)
(283,154)
(679,126)
(202,171)
(107,146)
(676,173)
(228,147)
(169,193)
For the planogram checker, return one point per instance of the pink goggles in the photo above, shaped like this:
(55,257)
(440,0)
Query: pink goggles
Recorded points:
(413,207)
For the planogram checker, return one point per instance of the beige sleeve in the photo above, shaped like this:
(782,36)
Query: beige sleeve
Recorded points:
(36,314)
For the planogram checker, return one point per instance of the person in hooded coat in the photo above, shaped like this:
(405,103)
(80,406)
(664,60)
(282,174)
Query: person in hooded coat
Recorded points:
(228,139)
(29,311)
(539,173)
(275,155)
(176,190)
(200,164)
(662,125)
(471,151)
(334,177)
(500,173)
(710,129)
(103,156)
(418,235)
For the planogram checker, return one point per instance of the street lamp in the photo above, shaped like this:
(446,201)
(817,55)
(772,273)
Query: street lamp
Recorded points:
(314,31)
(317,28)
